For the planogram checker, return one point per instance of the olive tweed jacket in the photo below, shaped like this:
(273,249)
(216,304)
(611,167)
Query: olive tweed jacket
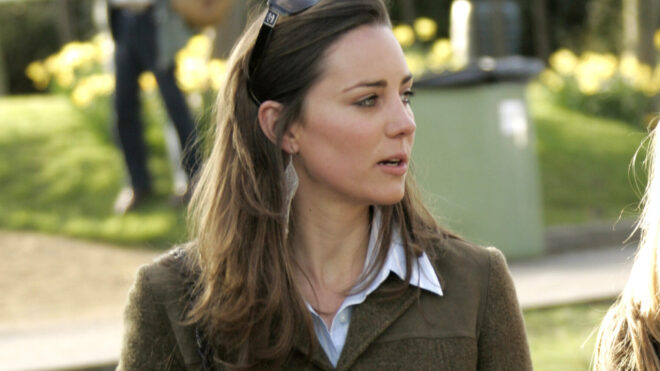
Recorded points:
(476,325)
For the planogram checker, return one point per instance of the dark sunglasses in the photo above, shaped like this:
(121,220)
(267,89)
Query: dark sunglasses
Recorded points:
(275,9)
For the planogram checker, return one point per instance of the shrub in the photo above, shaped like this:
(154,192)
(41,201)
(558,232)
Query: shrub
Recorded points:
(80,71)
(28,31)
(603,84)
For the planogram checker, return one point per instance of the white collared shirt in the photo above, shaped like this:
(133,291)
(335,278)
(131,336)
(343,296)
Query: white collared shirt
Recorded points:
(423,276)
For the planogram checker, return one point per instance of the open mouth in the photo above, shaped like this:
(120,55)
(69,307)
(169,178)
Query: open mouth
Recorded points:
(392,162)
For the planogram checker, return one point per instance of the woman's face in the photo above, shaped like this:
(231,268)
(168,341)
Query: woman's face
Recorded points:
(357,128)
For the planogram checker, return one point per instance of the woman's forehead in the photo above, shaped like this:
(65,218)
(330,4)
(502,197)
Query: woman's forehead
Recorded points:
(368,52)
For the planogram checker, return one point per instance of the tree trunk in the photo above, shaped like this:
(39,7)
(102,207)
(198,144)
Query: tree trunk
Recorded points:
(640,19)
(648,22)
(541,37)
(63,20)
(497,27)
(4,89)
(408,11)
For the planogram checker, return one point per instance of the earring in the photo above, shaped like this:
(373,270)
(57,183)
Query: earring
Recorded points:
(293,149)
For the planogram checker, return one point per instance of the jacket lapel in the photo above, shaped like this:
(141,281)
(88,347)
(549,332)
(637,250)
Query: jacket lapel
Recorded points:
(371,318)
(319,359)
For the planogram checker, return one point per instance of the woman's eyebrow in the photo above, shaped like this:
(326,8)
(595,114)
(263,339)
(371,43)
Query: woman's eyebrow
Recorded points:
(367,84)
(376,84)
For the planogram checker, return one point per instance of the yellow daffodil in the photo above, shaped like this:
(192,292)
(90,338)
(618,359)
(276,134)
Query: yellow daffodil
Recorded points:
(147,82)
(629,66)
(65,77)
(103,83)
(37,72)
(564,62)
(100,84)
(589,84)
(425,28)
(104,47)
(76,54)
(82,96)
(602,65)
(440,56)
(643,79)
(198,46)
(192,75)
(217,70)
(415,63)
(404,34)
(656,39)
(52,63)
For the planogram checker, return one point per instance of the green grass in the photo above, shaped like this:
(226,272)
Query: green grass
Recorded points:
(60,173)
(584,163)
(563,338)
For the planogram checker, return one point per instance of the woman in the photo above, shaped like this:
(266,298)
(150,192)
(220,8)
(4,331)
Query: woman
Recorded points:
(629,336)
(312,249)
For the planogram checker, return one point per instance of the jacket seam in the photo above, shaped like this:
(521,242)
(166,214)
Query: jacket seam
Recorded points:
(484,296)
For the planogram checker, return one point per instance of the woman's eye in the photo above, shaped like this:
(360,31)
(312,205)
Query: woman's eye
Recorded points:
(369,101)
(407,95)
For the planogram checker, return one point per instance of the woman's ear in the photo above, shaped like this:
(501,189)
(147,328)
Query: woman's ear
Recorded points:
(269,113)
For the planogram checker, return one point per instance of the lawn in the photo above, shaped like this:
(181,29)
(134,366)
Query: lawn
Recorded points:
(584,163)
(562,338)
(60,171)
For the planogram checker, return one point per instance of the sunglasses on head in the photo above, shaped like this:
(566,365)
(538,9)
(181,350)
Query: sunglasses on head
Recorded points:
(276,8)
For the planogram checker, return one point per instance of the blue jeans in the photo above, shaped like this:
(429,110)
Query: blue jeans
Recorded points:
(135,52)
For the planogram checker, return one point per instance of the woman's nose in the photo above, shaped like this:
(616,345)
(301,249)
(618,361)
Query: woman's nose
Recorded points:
(401,120)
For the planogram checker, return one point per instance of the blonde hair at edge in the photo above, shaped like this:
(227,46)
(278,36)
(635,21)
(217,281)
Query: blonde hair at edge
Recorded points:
(631,327)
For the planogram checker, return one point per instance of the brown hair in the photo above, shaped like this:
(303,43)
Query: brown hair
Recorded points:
(247,303)
(630,331)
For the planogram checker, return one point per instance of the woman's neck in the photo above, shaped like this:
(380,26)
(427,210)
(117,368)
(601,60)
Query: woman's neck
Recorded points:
(330,245)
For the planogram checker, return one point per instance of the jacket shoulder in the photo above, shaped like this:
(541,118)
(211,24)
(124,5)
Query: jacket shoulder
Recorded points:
(166,277)
(483,272)
(454,252)
(155,336)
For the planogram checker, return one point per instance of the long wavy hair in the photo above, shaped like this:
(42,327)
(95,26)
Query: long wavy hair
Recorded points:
(629,336)
(247,302)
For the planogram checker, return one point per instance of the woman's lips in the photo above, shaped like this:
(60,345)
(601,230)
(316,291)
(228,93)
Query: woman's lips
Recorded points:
(396,165)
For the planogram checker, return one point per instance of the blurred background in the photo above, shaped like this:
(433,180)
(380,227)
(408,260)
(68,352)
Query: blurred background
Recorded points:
(529,114)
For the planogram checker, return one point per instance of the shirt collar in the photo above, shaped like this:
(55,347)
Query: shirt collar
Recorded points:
(423,274)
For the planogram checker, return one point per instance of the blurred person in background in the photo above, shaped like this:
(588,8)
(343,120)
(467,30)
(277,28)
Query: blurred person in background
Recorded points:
(147,35)
(629,336)
(311,247)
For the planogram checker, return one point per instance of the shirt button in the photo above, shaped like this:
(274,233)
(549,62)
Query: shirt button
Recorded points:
(342,318)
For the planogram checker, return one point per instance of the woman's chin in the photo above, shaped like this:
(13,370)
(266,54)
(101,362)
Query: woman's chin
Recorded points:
(390,198)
